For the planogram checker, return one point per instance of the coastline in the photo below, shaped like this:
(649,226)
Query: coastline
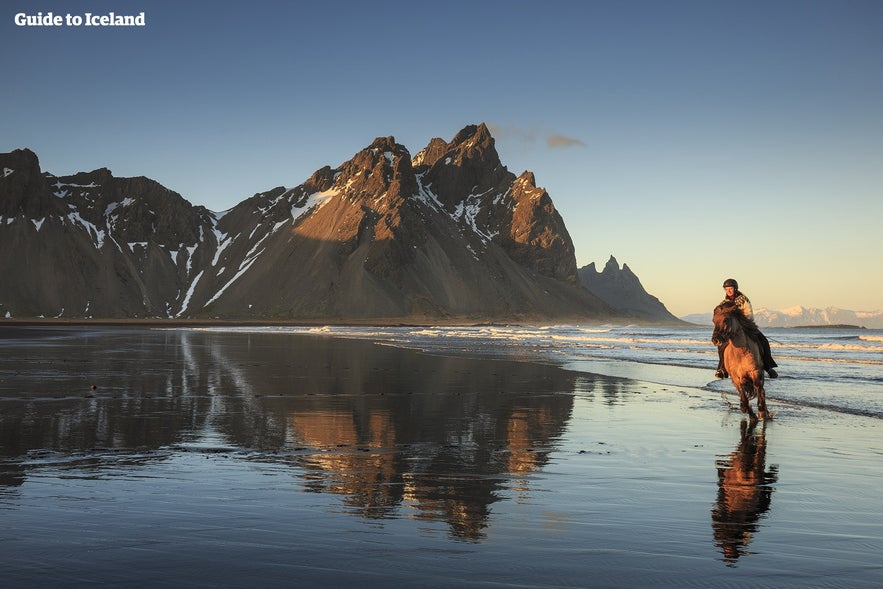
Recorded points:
(409,321)
(159,322)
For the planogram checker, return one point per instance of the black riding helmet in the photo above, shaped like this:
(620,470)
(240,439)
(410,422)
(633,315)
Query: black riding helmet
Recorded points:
(731,282)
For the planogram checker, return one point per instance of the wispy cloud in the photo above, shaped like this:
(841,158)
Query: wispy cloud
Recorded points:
(562,142)
(530,135)
(512,133)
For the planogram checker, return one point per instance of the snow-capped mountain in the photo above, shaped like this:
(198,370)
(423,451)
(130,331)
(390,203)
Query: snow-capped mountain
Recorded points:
(802,316)
(449,233)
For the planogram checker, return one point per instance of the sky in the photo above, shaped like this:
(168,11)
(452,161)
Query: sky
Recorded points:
(692,140)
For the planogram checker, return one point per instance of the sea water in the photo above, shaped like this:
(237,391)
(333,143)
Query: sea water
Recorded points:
(839,369)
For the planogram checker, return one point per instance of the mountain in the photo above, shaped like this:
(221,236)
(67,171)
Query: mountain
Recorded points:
(622,290)
(447,234)
(803,317)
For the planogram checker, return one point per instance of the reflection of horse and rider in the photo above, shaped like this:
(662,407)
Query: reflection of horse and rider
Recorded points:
(745,488)
(734,297)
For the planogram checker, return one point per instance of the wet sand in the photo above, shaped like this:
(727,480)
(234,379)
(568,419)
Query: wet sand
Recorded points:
(138,457)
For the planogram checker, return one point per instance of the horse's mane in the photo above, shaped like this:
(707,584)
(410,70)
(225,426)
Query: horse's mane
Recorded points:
(728,308)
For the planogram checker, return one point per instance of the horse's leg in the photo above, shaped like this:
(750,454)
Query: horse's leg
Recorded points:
(743,398)
(744,402)
(761,400)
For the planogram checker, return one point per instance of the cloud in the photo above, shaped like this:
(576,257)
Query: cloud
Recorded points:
(562,142)
(512,133)
(515,134)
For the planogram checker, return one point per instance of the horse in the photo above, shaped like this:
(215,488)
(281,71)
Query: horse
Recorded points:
(743,359)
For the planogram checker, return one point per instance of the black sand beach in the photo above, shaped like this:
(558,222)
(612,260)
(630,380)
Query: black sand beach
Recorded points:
(175,458)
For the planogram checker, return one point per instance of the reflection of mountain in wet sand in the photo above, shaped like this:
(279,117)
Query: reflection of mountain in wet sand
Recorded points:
(453,481)
(745,489)
(443,438)
(391,431)
(370,479)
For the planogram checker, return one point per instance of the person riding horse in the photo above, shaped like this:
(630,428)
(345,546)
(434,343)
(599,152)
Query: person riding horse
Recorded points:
(734,296)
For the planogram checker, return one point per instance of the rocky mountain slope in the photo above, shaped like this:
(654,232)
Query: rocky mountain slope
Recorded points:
(622,290)
(449,233)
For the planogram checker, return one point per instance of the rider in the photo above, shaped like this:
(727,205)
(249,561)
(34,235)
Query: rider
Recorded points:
(733,295)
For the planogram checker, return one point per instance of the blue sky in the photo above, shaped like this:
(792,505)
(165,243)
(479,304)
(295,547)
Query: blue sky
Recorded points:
(692,140)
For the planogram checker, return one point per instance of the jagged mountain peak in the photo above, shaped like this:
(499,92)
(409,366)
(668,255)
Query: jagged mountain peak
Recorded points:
(527,179)
(383,168)
(469,165)
(474,144)
(473,136)
(430,154)
(536,226)
(624,274)
(23,187)
(385,144)
(133,210)
(321,181)
(622,290)
(448,233)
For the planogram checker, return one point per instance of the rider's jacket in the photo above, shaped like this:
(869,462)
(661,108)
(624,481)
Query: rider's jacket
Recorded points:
(742,302)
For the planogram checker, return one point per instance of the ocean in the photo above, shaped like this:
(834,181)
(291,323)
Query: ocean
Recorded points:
(838,369)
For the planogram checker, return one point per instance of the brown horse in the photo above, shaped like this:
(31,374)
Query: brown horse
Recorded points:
(742,358)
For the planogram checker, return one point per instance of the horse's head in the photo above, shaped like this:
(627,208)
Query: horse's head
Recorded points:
(724,321)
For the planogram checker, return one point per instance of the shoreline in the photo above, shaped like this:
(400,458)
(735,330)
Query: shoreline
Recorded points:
(416,321)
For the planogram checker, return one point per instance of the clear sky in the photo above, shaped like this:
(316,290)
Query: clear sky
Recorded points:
(692,140)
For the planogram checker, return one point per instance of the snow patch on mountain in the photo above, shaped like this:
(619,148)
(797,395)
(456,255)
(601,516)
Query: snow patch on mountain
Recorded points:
(186,303)
(315,201)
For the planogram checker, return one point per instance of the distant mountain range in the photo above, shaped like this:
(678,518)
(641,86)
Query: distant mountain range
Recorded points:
(803,317)
(448,234)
